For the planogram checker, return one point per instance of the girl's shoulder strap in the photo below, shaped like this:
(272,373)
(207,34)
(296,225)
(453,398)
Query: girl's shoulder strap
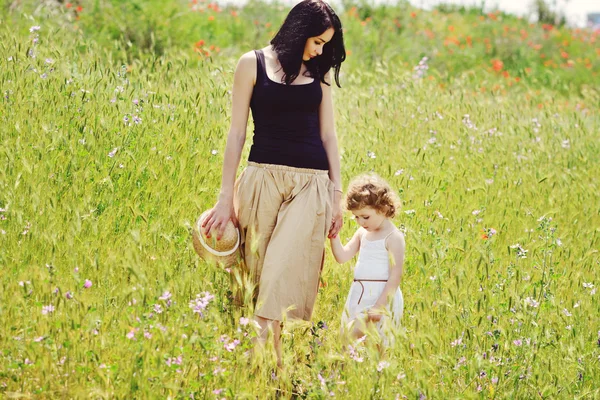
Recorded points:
(385,239)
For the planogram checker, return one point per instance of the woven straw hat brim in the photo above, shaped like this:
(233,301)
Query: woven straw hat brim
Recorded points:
(226,258)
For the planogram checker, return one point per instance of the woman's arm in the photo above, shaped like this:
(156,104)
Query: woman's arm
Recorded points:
(243,84)
(395,246)
(330,143)
(345,253)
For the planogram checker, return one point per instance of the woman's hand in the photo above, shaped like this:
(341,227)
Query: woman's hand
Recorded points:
(337,219)
(218,217)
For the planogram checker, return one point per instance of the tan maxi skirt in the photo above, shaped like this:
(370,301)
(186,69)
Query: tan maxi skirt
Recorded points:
(284,215)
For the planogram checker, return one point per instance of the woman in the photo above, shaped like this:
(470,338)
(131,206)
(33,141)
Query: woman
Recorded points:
(288,199)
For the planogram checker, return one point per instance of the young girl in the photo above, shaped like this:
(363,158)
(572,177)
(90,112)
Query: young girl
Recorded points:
(375,296)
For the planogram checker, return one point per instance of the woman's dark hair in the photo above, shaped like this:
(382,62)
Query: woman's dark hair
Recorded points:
(308,19)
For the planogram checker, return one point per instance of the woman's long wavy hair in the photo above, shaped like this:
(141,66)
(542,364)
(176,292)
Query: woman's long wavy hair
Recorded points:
(308,19)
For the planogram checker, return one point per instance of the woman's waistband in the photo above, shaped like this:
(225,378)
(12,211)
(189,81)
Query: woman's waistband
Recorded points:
(287,168)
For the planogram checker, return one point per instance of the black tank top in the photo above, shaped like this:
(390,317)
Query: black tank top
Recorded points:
(286,122)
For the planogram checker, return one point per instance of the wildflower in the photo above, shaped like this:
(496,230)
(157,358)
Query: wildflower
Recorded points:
(28,361)
(532,302)
(518,342)
(421,69)
(565,144)
(112,153)
(137,120)
(158,309)
(497,65)
(87,284)
(456,342)
(495,380)
(34,28)
(398,172)
(199,304)
(214,152)
(521,252)
(588,285)
(468,123)
(174,361)
(244,321)
(322,380)
(131,334)
(217,391)
(370,154)
(231,345)
(354,354)
(476,212)
(410,212)
(382,365)
(566,312)
(38,339)
(47,309)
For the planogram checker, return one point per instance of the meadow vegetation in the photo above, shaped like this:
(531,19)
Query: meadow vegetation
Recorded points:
(113,122)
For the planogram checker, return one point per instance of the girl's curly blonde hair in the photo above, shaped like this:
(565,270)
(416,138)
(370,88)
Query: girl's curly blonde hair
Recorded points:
(370,190)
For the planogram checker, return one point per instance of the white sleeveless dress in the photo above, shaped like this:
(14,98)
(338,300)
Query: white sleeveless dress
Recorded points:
(371,273)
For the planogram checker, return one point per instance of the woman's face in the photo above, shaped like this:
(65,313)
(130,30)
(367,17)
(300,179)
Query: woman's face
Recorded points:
(314,45)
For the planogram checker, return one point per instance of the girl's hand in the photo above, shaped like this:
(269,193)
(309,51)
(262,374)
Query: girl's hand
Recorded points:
(337,219)
(218,217)
(374,314)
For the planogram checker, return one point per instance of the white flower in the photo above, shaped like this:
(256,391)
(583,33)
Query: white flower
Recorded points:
(532,302)
(588,285)
(409,212)
(47,309)
(382,365)
(370,154)
(34,28)
(398,172)
(566,312)
(214,152)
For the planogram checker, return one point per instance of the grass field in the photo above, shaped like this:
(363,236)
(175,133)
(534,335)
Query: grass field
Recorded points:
(113,123)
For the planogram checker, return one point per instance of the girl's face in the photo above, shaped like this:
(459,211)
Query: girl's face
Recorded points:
(369,218)
(314,45)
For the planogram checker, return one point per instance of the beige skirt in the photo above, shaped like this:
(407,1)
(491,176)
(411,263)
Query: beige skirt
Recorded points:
(284,215)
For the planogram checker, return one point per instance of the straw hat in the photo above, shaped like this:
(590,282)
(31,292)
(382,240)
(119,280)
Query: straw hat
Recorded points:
(225,251)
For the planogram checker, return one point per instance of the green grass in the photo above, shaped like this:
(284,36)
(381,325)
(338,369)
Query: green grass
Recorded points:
(73,208)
